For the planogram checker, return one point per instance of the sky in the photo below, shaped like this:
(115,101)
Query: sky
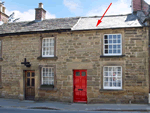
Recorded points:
(25,9)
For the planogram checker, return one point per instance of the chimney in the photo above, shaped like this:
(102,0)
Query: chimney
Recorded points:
(3,16)
(140,5)
(40,13)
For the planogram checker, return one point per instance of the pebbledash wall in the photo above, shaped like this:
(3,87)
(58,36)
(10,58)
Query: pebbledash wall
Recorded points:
(78,50)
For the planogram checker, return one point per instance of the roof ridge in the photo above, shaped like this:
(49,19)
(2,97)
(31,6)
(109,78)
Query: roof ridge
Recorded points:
(107,16)
(42,20)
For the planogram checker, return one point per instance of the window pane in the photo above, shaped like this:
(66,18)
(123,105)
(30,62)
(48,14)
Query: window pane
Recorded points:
(44,78)
(114,73)
(114,37)
(106,79)
(110,51)
(77,73)
(119,37)
(28,74)
(106,46)
(114,84)
(110,84)
(114,51)
(119,41)
(106,51)
(119,84)
(106,37)
(118,46)
(106,74)
(110,41)
(114,78)
(110,37)
(52,83)
(106,84)
(110,46)
(115,68)
(110,68)
(43,70)
(114,41)
(46,70)
(106,41)
(105,68)
(114,46)
(83,73)
(51,44)
(32,81)
(110,73)
(110,79)
(33,74)
(28,81)
(50,70)
(119,69)
(118,51)
(44,74)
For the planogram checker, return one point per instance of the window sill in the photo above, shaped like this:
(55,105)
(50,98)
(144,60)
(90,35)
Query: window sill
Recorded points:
(103,90)
(102,56)
(48,89)
(50,58)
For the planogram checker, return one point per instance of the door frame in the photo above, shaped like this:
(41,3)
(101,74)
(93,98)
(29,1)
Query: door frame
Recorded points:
(24,82)
(74,84)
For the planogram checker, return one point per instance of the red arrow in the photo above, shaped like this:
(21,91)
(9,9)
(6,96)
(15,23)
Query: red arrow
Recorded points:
(99,21)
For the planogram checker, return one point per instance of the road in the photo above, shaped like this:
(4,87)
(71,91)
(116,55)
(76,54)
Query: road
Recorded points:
(16,110)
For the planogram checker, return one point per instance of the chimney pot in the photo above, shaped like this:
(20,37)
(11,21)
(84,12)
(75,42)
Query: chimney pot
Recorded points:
(3,9)
(40,5)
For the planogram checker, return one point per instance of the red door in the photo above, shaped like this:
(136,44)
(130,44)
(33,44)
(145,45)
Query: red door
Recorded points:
(80,85)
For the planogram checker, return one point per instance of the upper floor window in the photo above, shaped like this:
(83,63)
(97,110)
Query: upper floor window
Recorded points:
(112,44)
(48,47)
(112,77)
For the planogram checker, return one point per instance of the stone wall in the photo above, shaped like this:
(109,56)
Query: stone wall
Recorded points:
(78,50)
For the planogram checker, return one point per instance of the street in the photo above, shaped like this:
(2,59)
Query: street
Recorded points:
(16,110)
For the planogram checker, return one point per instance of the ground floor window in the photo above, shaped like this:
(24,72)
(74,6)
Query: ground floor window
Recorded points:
(47,76)
(112,77)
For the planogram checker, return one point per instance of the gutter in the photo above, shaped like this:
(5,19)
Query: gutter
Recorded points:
(36,32)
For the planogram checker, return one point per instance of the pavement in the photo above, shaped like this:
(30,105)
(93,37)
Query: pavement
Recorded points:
(49,105)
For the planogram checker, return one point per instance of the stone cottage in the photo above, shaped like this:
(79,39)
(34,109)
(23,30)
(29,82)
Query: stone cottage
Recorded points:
(72,60)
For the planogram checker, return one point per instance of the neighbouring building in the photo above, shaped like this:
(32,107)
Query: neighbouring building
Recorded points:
(72,60)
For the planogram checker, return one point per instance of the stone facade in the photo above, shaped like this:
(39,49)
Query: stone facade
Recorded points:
(78,50)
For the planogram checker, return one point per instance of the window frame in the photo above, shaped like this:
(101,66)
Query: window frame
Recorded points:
(112,43)
(113,88)
(49,76)
(54,47)
(40,78)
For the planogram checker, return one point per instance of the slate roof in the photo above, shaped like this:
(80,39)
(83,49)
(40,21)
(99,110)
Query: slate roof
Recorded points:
(48,24)
(118,21)
(76,23)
